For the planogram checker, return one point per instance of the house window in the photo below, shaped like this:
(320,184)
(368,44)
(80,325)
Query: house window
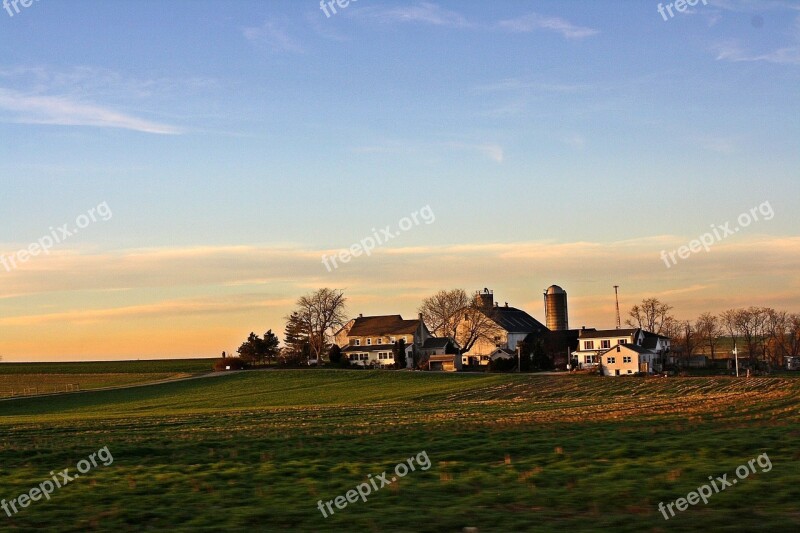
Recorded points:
(605,344)
(589,359)
(612,360)
(369,342)
(353,357)
(626,359)
(588,345)
(623,341)
(364,356)
(357,342)
(393,340)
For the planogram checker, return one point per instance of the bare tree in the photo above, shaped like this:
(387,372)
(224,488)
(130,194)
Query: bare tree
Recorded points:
(652,315)
(783,336)
(454,314)
(321,311)
(751,325)
(794,335)
(443,312)
(689,339)
(708,331)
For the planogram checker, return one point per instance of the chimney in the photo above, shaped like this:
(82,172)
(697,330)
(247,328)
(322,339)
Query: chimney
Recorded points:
(506,304)
(485,299)
(360,315)
(420,317)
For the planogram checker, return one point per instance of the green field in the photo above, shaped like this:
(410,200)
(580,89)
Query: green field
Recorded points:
(190,366)
(30,379)
(255,451)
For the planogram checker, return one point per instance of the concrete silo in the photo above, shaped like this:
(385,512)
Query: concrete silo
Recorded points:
(555,308)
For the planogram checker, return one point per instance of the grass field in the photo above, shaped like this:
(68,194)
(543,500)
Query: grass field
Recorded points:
(256,450)
(22,379)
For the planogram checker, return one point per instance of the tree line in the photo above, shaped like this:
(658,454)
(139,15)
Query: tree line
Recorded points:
(760,333)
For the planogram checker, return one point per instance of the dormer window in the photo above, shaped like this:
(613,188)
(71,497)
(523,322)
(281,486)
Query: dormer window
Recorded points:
(393,340)
(357,342)
(369,342)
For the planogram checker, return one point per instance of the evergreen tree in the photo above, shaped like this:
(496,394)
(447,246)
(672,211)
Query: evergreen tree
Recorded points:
(295,337)
(399,352)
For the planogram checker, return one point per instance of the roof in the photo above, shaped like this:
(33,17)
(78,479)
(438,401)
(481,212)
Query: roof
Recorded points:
(514,320)
(502,352)
(432,343)
(651,339)
(604,333)
(555,289)
(631,347)
(650,342)
(371,348)
(365,326)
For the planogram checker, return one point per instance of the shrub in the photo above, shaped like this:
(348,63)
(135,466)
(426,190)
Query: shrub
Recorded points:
(502,364)
(229,363)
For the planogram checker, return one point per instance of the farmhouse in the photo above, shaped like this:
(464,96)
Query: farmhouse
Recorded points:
(625,359)
(593,344)
(507,327)
(371,341)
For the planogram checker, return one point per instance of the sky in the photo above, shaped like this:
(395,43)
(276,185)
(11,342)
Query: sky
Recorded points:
(173,173)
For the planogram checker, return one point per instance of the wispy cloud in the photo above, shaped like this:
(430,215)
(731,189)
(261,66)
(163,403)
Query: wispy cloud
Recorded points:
(229,291)
(95,83)
(64,111)
(272,36)
(747,6)
(722,145)
(494,152)
(732,52)
(513,84)
(574,140)
(163,309)
(534,22)
(420,13)
(489,150)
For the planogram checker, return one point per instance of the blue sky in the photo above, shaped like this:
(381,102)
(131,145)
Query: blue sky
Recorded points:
(267,125)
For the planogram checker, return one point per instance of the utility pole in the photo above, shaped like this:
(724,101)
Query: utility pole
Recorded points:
(736,356)
(616,295)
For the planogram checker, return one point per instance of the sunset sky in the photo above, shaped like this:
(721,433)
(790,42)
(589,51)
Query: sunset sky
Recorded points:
(210,153)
